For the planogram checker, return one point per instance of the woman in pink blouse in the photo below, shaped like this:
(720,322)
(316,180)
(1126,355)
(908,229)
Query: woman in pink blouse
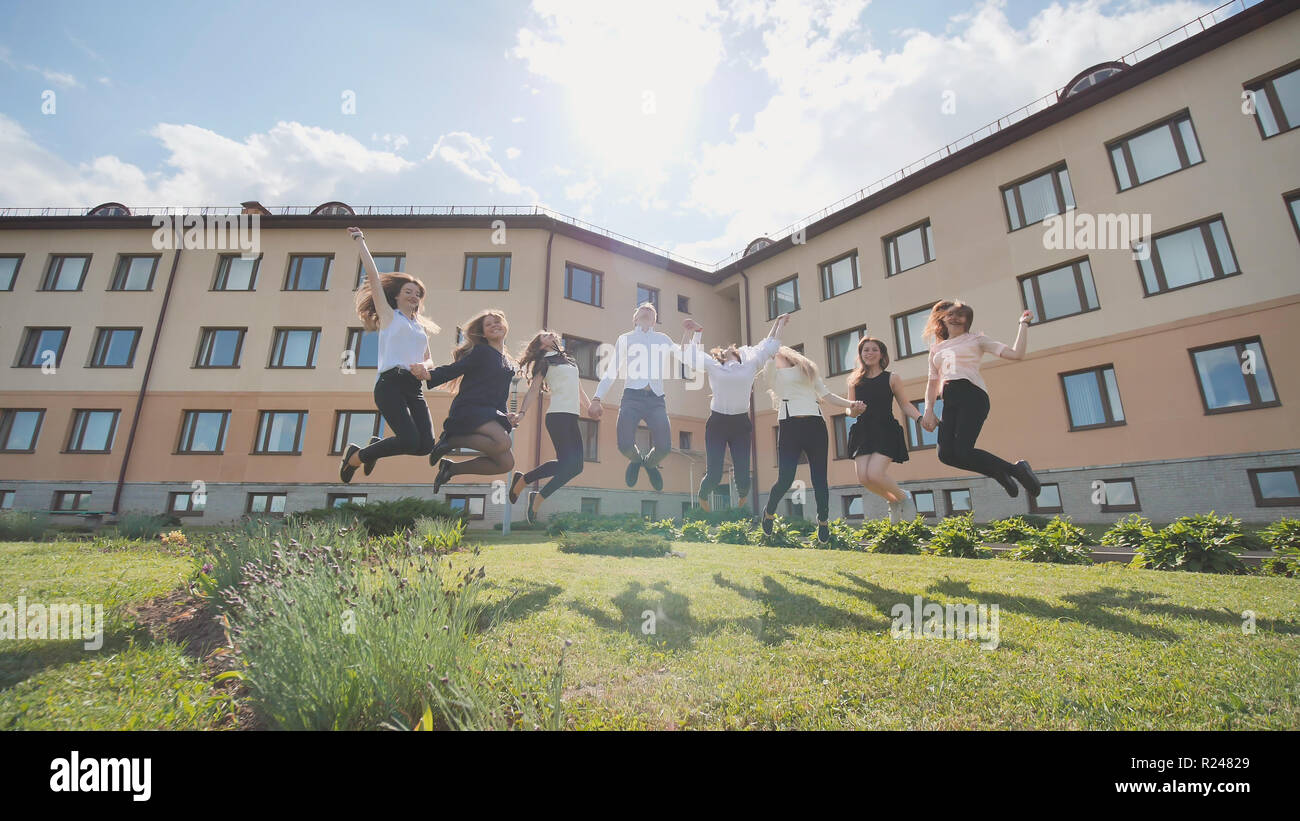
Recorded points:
(955,355)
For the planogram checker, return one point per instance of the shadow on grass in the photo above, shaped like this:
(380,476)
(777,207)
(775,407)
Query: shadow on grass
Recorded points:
(519,604)
(782,608)
(668,614)
(33,656)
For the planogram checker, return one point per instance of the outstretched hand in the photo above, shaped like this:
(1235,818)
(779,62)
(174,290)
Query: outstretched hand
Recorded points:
(857,408)
(355,233)
(692,326)
(595,409)
(419,371)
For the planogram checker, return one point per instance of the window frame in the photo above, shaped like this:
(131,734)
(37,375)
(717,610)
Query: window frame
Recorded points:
(361,267)
(263,432)
(1288,501)
(99,342)
(891,247)
(122,268)
(934,503)
(338,420)
(830,360)
(81,495)
(1291,200)
(1207,237)
(355,334)
(31,336)
(595,356)
(1014,186)
(293,273)
(1098,373)
(599,283)
(840,420)
(1252,386)
(332,498)
(222,274)
(78,414)
(771,296)
(189,509)
(594,446)
(1037,308)
(468,497)
(1106,507)
(1169,121)
(270,495)
(18,266)
(911,423)
(1034,507)
(312,351)
(947,501)
(187,449)
(655,293)
(1264,82)
(846,502)
(683,304)
(504,275)
(898,347)
(7,423)
(50,277)
(825,266)
(239,348)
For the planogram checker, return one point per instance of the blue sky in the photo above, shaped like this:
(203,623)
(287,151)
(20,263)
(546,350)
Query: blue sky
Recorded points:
(687,124)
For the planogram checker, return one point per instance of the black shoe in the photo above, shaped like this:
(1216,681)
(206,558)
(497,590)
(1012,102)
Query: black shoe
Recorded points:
(767,523)
(346,470)
(633,471)
(703,501)
(742,491)
(1025,475)
(444,475)
(823,533)
(1008,484)
(440,449)
(366,467)
(532,515)
(517,483)
(656,478)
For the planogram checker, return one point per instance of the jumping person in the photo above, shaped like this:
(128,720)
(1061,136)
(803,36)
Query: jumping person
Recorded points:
(480,373)
(641,355)
(552,371)
(955,355)
(403,362)
(876,439)
(795,386)
(731,373)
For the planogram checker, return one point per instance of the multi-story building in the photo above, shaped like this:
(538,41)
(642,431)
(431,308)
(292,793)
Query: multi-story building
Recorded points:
(1157,377)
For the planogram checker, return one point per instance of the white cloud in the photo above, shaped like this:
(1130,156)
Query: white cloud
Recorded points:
(583,191)
(472,156)
(393,142)
(513,153)
(516,119)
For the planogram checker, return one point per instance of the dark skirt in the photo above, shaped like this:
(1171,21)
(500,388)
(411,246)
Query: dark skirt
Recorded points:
(885,436)
(469,418)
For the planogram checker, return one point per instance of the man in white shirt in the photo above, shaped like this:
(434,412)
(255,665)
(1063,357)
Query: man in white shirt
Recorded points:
(642,357)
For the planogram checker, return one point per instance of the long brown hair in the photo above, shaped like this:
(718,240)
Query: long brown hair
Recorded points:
(803,363)
(532,359)
(861,369)
(473,330)
(392,285)
(934,327)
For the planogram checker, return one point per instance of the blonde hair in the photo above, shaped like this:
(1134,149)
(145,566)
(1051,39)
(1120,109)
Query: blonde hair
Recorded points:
(803,363)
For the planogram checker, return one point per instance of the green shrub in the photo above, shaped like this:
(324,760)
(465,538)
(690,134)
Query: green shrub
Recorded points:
(1036,521)
(591,522)
(734,532)
(441,535)
(867,531)
(1060,541)
(1011,530)
(899,537)
(784,534)
(1283,537)
(695,530)
(958,537)
(1128,533)
(1203,543)
(843,536)
(137,525)
(719,515)
(615,543)
(1061,530)
(663,527)
(804,527)
(23,525)
(380,518)
(522,527)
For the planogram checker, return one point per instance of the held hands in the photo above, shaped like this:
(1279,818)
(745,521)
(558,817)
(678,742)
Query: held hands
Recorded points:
(595,409)
(857,408)
(514,419)
(930,422)
(419,371)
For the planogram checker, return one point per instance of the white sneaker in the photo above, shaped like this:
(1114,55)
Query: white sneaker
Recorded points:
(895,512)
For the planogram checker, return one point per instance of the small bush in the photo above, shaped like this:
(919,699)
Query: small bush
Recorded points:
(1060,541)
(1011,530)
(137,525)
(804,527)
(440,534)
(589,522)
(958,537)
(663,527)
(1128,533)
(867,531)
(784,534)
(843,536)
(736,532)
(615,543)
(522,527)
(1283,537)
(383,517)
(719,515)
(899,537)
(695,531)
(23,525)
(1203,543)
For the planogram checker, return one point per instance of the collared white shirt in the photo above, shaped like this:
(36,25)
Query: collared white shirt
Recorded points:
(795,395)
(733,382)
(641,359)
(401,342)
(959,358)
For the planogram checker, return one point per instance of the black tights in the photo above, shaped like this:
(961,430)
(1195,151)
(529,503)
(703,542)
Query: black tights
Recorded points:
(965,407)
(565,436)
(722,431)
(798,435)
(399,396)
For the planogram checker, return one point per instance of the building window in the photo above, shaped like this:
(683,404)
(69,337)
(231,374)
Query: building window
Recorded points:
(918,438)
(294,348)
(385,263)
(840,427)
(1275,487)
(957,501)
(487,272)
(1033,200)
(842,350)
(9,264)
(648,508)
(684,440)
(220,347)
(776,454)
(1119,496)
(908,328)
(92,431)
(340,499)
(582,285)
(1292,207)
(1186,257)
(364,346)
(280,431)
(644,294)
(134,273)
(114,347)
(42,346)
(185,503)
(590,432)
(203,431)
(1277,101)
(271,504)
(909,248)
(584,352)
(783,297)
(308,272)
(355,427)
(235,273)
(6,500)
(852,506)
(1162,149)
(840,275)
(71,500)
(66,273)
(1059,292)
(1234,376)
(683,304)
(798,347)
(924,501)
(590,506)
(1048,501)
(1092,398)
(19,429)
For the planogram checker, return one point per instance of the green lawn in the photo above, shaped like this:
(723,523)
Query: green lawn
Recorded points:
(747,637)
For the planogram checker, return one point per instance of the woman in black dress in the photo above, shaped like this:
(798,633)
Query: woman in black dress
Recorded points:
(480,372)
(876,439)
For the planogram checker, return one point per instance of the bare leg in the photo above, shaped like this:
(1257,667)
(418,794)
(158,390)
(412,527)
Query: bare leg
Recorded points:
(878,476)
(865,476)
(496,457)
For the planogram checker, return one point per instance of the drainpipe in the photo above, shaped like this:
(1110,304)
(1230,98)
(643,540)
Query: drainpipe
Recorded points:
(546,315)
(753,429)
(148,369)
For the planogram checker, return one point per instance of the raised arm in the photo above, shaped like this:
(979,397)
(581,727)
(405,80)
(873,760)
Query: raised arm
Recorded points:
(1017,351)
(692,352)
(382,309)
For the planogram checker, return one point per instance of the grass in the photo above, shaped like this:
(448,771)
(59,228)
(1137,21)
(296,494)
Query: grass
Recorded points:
(747,637)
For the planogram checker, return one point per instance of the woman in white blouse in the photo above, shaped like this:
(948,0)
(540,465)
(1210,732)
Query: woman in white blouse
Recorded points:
(731,373)
(795,387)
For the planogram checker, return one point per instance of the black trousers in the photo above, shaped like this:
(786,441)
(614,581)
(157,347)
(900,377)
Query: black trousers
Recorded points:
(965,407)
(796,436)
(567,439)
(722,431)
(399,396)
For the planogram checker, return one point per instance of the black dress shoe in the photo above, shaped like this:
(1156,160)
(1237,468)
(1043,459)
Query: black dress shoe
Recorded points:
(366,467)
(633,471)
(823,533)
(444,475)
(1008,484)
(517,483)
(440,449)
(1025,475)
(655,476)
(532,515)
(767,524)
(346,470)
